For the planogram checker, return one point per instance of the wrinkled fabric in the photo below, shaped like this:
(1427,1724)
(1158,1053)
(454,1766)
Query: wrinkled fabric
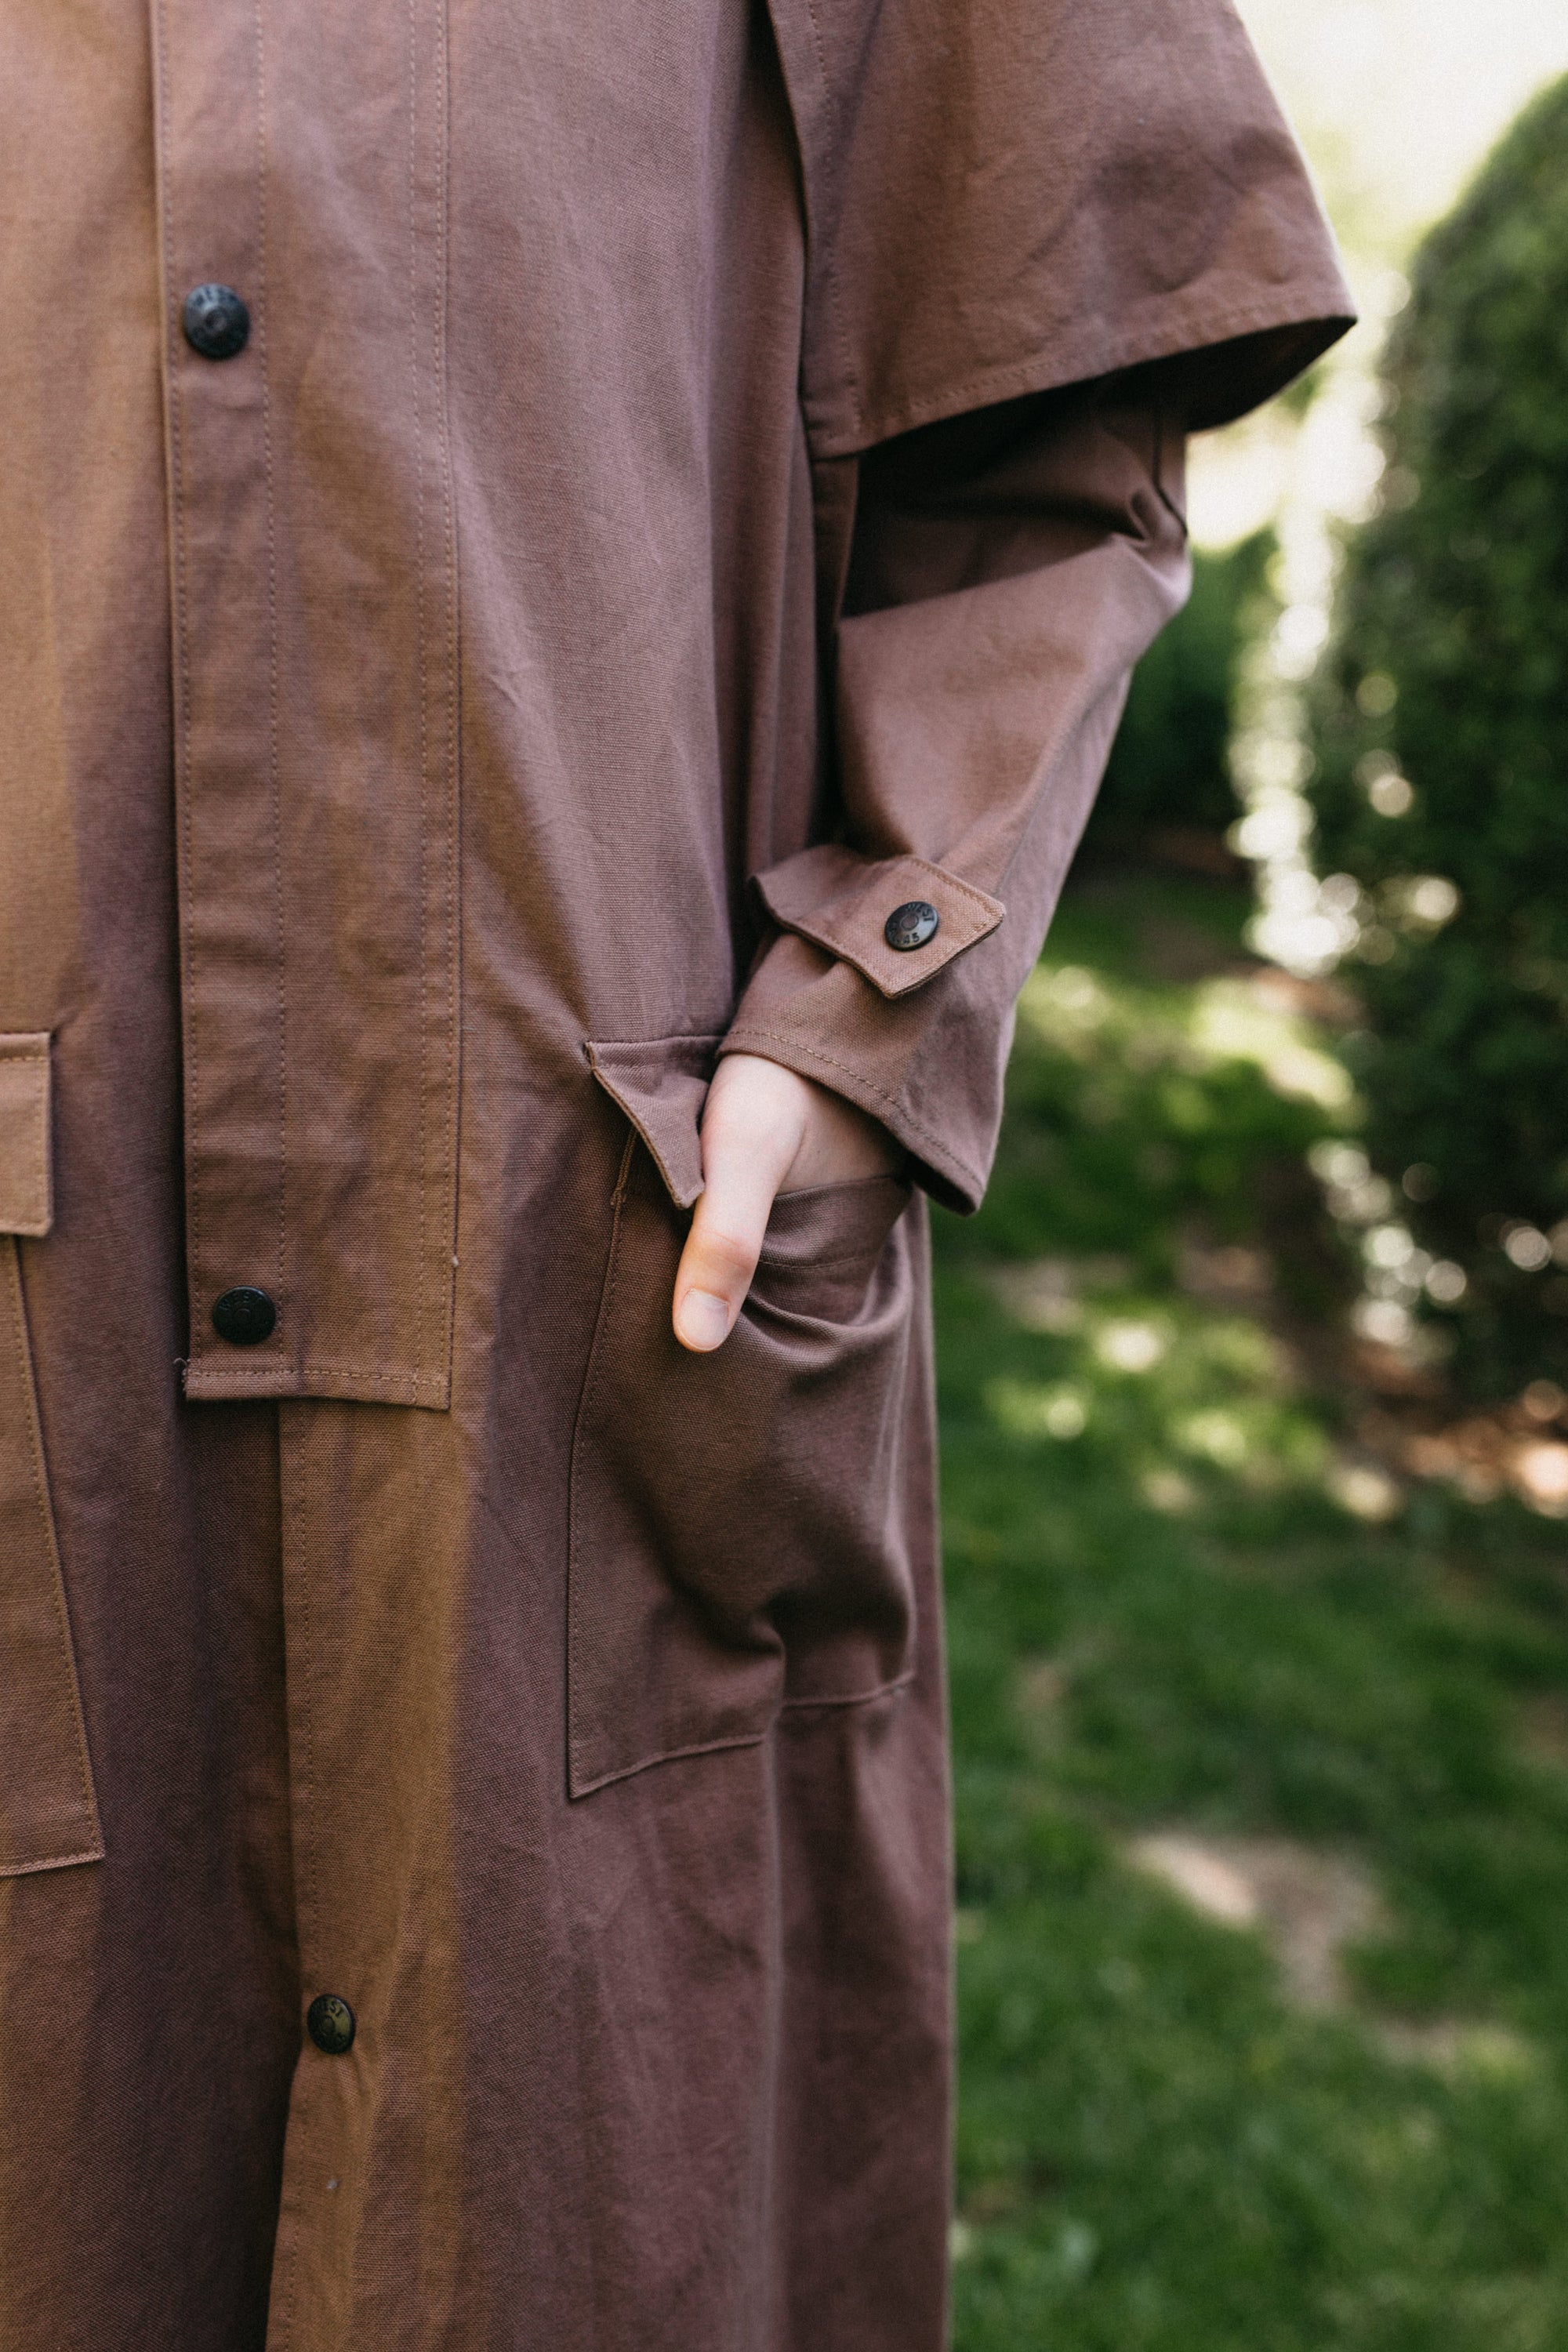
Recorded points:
(693,485)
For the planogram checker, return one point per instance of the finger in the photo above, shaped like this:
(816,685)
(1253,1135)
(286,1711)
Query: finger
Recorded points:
(721,1250)
(741,1177)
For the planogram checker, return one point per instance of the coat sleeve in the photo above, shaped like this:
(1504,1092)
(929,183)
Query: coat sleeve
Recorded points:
(1045,239)
(1006,573)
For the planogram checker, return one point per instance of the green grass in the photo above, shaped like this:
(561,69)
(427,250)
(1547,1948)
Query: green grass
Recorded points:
(1161,1620)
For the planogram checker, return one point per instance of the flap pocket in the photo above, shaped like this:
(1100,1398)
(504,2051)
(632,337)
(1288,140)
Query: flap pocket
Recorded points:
(742,1522)
(25,1205)
(48,1816)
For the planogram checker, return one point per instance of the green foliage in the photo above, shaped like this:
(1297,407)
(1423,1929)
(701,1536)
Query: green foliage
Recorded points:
(1168,768)
(1162,1618)
(1442,749)
(1146,1105)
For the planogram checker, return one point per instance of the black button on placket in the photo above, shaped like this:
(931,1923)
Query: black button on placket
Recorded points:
(216,322)
(244,1317)
(330,2023)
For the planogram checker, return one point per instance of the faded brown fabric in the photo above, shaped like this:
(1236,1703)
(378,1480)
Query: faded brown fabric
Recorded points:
(1003,581)
(693,483)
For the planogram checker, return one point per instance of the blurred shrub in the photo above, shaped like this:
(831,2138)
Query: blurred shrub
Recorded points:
(1169,772)
(1144,1115)
(1441,728)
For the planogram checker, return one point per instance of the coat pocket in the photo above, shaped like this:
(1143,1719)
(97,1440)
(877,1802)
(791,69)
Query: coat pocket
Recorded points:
(739,1536)
(48,1816)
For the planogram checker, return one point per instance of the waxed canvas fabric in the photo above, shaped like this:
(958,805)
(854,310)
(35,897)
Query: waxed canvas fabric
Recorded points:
(697,478)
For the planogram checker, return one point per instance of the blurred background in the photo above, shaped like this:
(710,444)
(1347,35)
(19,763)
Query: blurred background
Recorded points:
(1254,1365)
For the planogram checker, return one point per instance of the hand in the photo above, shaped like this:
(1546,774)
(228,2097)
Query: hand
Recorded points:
(764,1131)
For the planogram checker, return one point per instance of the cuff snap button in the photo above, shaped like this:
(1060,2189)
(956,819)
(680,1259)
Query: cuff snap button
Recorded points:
(911,925)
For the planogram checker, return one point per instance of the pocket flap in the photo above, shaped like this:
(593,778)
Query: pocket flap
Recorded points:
(661,1084)
(25,1203)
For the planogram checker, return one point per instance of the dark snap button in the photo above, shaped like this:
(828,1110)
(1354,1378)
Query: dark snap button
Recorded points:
(330,2023)
(215,322)
(244,1318)
(911,925)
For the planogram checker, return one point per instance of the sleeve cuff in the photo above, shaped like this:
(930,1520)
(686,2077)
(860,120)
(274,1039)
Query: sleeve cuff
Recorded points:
(928,1068)
(856,909)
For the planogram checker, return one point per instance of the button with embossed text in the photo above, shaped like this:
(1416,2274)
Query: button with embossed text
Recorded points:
(330,2023)
(911,925)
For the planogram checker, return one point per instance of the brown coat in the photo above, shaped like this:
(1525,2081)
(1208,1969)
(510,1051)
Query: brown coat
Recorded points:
(667,513)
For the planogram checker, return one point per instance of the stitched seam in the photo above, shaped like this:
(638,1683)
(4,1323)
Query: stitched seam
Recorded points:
(41,1142)
(590,1388)
(293,1440)
(45,1519)
(299,1434)
(675,1755)
(273,764)
(181,650)
(652,1045)
(40,1157)
(51,1861)
(941,1153)
(867,885)
(421,688)
(823,935)
(830,256)
(953,881)
(311,1371)
(849,1698)
(832,928)
(453,878)
(780,1038)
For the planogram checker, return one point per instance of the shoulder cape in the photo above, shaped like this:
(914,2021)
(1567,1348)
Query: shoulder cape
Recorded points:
(1007,195)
